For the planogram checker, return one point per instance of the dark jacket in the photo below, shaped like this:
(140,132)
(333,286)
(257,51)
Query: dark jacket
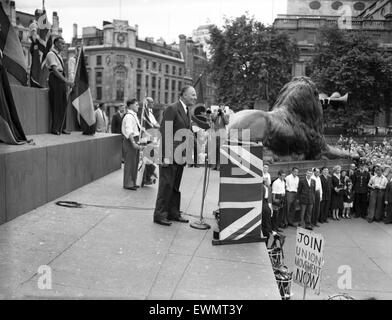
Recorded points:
(306,193)
(116,123)
(326,185)
(360,181)
(175,116)
(388,192)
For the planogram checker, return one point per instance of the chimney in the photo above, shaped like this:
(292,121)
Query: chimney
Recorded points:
(137,30)
(12,13)
(56,25)
(75,30)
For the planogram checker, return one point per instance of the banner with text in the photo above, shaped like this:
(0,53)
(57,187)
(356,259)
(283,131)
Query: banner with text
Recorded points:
(309,260)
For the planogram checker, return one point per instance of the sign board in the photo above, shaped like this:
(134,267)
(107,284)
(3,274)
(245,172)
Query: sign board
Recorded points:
(309,250)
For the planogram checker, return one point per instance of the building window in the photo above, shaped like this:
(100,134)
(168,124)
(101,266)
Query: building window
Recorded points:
(138,95)
(99,93)
(180,72)
(99,60)
(121,59)
(166,97)
(139,63)
(120,85)
(147,84)
(159,83)
(166,84)
(167,68)
(153,94)
(154,65)
(160,67)
(154,80)
(179,86)
(86,60)
(173,86)
(173,97)
(359,6)
(174,70)
(147,64)
(139,80)
(315,5)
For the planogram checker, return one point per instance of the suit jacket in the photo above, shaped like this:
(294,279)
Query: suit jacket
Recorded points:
(116,123)
(101,122)
(326,185)
(306,193)
(388,192)
(360,181)
(175,116)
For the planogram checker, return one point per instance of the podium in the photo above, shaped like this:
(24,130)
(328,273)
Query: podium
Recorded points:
(240,198)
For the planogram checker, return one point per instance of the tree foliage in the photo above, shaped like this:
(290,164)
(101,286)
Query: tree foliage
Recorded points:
(238,51)
(351,62)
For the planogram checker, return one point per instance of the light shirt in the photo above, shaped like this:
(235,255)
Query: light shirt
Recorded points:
(130,125)
(292,183)
(378,182)
(279,187)
(318,185)
(152,119)
(54,59)
(268,176)
(72,68)
(185,107)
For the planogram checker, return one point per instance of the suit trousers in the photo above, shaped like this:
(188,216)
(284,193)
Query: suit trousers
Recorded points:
(291,198)
(169,196)
(324,209)
(306,214)
(58,103)
(388,218)
(131,162)
(316,208)
(266,223)
(360,204)
(376,205)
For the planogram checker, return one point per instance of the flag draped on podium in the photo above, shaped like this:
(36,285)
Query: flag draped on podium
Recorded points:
(11,131)
(13,59)
(81,98)
(41,43)
(240,197)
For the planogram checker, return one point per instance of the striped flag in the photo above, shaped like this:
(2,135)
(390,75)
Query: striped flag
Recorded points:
(240,196)
(40,46)
(14,59)
(11,131)
(81,97)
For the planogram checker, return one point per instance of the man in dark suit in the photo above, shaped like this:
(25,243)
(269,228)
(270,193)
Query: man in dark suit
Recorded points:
(360,181)
(117,120)
(326,185)
(176,120)
(306,196)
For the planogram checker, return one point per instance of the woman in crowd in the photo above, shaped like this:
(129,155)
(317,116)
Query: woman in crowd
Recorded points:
(348,199)
(337,195)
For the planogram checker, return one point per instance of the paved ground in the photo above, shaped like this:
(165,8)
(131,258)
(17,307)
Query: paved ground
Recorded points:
(115,253)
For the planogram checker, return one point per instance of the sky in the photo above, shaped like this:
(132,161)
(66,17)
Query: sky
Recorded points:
(156,18)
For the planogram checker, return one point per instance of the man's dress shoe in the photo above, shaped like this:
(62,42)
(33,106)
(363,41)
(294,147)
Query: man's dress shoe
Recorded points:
(179,219)
(163,222)
(66,132)
(131,188)
(56,133)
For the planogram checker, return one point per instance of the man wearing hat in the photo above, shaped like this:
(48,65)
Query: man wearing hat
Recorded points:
(360,180)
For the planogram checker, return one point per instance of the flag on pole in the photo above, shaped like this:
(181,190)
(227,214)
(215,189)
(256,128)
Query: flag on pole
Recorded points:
(198,85)
(14,59)
(11,131)
(41,43)
(81,97)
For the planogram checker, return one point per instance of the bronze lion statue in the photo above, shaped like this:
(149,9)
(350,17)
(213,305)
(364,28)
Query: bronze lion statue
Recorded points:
(293,129)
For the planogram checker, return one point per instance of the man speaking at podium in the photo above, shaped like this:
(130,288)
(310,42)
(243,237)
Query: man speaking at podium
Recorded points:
(167,207)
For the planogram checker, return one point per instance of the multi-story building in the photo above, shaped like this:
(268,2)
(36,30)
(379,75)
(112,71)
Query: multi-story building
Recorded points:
(305,17)
(22,21)
(202,35)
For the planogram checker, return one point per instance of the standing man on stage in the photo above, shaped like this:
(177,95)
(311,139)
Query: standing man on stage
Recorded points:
(131,131)
(177,116)
(57,87)
(101,118)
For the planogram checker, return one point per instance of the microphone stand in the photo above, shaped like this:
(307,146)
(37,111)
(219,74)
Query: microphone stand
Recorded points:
(201,224)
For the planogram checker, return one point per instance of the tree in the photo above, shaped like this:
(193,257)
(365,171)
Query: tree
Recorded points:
(238,51)
(351,62)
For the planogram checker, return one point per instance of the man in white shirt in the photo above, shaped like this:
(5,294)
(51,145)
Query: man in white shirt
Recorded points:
(292,181)
(377,185)
(266,174)
(278,201)
(318,197)
(130,129)
(57,87)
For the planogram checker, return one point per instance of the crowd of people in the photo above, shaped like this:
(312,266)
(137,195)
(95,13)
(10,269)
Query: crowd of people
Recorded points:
(360,192)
